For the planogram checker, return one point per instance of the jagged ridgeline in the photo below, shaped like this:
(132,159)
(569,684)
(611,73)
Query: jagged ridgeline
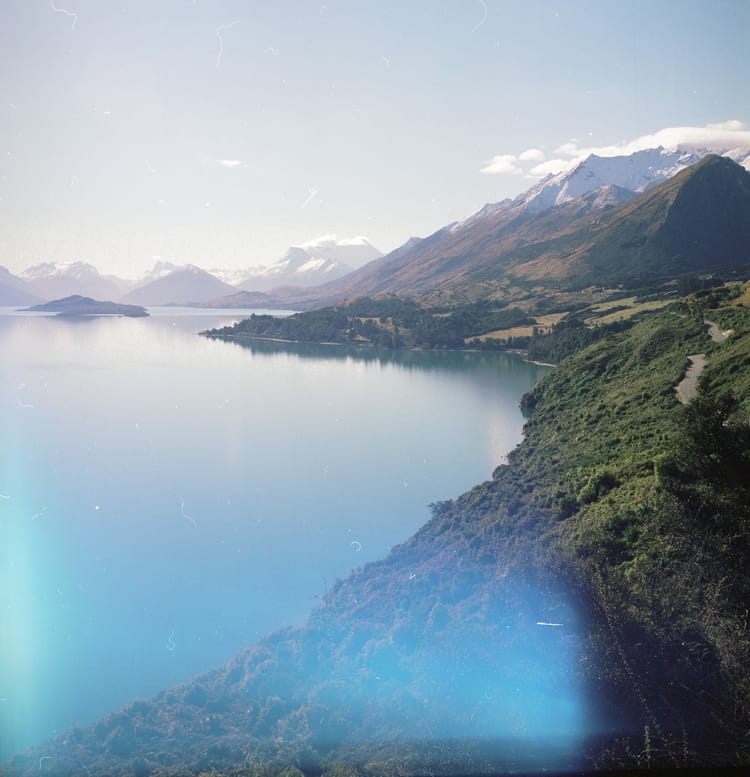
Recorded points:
(587,607)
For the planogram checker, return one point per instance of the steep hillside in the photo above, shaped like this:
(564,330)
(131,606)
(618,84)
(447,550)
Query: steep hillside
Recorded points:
(585,607)
(698,221)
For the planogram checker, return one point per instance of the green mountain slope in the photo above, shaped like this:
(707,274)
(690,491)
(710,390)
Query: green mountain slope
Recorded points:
(585,607)
(699,221)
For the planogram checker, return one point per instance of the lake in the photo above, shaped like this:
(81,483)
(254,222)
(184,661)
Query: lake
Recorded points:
(166,499)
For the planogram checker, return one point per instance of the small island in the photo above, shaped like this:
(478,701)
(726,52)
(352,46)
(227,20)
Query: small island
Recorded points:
(76,305)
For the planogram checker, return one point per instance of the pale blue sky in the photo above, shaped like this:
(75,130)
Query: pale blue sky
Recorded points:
(219,133)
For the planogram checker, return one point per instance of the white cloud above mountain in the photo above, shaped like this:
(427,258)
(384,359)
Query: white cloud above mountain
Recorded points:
(503,164)
(331,240)
(724,137)
(531,155)
(730,137)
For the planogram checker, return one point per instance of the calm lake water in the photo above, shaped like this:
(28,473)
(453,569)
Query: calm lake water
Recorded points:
(166,499)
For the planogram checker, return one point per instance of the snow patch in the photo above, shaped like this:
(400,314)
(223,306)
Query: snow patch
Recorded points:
(636,173)
(78,270)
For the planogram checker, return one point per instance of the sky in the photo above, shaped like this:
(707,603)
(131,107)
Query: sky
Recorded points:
(219,132)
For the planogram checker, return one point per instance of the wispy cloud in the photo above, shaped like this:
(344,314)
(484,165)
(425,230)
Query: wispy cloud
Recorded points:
(730,137)
(231,163)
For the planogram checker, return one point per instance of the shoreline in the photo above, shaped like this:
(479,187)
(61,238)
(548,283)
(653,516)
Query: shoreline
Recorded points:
(245,336)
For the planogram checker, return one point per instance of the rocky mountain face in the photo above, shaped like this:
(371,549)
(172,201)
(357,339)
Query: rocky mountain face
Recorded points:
(696,221)
(634,173)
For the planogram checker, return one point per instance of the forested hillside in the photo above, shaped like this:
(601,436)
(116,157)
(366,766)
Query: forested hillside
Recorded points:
(385,322)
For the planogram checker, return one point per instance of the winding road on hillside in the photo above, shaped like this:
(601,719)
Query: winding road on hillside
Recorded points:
(687,388)
(715,333)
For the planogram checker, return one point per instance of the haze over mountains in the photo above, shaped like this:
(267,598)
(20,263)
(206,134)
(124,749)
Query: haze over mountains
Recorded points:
(314,262)
(572,228)
(13,290)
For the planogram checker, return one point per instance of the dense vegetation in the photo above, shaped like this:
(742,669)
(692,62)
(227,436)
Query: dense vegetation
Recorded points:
(390,321)
(567,337)
(623,516)
(653,519)
(386,322)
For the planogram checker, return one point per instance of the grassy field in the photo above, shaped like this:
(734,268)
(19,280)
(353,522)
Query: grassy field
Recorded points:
(622,310)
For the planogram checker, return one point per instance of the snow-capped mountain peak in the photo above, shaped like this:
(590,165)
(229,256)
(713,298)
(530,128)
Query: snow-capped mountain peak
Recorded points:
(233,276)
(52,280)
(316,261)
(160,270)
(636,173)
(626,175)
(79,270)
(351,251)
(319,263)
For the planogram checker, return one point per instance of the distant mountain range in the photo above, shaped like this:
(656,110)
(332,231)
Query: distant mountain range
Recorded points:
(608,221)
(53,280)
(312,263)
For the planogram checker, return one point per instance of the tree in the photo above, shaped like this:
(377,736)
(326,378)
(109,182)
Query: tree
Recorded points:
(708,465)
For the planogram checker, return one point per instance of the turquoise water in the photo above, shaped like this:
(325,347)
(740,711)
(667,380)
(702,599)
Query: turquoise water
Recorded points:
(166,499)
